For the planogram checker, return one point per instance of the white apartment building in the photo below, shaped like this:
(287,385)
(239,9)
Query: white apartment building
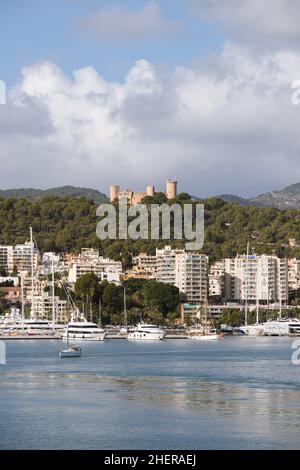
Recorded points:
(6,258)
(38,285)
(42,307)
(47,259)
(104,268)
(166,264)
(191,276)
(294,273)
(263,277)
(22,257)
(185,270)
(18,257)
(216,278)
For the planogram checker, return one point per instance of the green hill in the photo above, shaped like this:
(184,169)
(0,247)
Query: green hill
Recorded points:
(64,191)
(68,224)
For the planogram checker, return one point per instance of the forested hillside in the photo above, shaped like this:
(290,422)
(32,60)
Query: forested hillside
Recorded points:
(68,224)
(63,191)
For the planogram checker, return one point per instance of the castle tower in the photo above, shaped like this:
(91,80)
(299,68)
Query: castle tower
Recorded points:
(150,191)
(171,189)
(114,192)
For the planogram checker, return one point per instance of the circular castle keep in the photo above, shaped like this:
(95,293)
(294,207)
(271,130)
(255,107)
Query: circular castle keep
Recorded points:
(134,197)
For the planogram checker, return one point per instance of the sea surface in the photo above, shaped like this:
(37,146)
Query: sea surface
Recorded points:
(237,393)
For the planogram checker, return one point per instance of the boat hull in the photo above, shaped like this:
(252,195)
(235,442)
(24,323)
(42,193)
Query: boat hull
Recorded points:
(252,331)
(84,337)
(66,353)
(136,336)
(205,337)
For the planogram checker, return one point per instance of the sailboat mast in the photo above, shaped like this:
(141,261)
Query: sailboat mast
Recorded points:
(205,315)
(246,290)
(22,299)
(53,297)
(280,290)
(32,281)
(257,299)
(100,311)
(125,307)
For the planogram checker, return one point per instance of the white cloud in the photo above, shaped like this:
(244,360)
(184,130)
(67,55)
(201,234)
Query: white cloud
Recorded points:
(116,23)
(267,23)
(230,128)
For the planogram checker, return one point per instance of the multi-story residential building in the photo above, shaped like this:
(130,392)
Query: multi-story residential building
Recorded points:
(263,277)
(90,262)
(42,307)
(166,264)
(185,270)
(22,257)
(46,266)
(144,266)
(137,273)
(6,258)
(38,285)
(294,274)
(231,290)
(191,276)
(18,257)
(216,279)
(89,253)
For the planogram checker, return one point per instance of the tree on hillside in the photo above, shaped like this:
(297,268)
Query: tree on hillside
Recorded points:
(88,289)
(159,296)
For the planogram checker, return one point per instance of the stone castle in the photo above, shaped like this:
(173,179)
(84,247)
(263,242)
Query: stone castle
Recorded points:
(135,198)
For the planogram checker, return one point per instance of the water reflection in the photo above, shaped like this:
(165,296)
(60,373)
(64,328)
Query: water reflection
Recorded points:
(128,396)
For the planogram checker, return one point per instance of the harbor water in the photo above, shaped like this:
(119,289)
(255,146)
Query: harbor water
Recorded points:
(237,393)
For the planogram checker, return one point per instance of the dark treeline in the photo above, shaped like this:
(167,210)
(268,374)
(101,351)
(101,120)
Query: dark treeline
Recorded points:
(146,300)
(68,224)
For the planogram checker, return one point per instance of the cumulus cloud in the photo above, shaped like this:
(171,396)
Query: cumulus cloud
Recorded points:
(267,23)
(116,23)
(230,128)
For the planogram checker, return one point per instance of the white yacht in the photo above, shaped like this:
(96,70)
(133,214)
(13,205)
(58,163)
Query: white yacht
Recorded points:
(14,325)
(145,331)
(201,333)
(253,330)
(82,330)
(281,327)
(9,320)
(34,327)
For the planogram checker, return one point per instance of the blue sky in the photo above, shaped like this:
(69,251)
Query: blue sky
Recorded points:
(37,30)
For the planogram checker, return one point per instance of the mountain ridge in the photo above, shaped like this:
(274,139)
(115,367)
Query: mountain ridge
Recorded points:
(32,194)
(286,198)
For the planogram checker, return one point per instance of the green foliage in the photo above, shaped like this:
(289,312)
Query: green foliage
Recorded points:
(113,298)
(87,286)
(145,299)
(160,297)
(69,224)
(231,317)
(63,191)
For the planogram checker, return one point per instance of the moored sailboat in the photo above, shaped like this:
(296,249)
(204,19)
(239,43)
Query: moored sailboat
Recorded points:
(70,351)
